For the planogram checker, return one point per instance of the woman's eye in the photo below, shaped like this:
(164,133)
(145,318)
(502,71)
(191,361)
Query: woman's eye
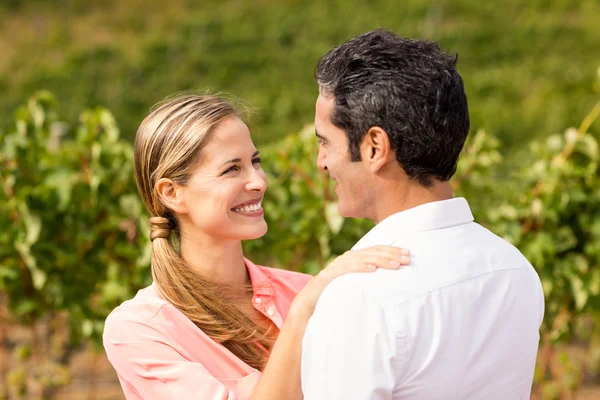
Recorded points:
(257,160)
(231,169)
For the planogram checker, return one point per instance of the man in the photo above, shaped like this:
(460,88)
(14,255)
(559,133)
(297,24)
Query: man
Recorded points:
(462,321)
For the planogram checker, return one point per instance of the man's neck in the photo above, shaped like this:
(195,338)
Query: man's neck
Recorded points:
(397,198)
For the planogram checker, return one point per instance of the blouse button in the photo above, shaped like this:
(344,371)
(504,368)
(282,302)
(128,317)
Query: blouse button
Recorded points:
(270,311)
(258,300)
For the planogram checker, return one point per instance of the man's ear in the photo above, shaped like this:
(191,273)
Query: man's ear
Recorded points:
(376,149)
(170,195)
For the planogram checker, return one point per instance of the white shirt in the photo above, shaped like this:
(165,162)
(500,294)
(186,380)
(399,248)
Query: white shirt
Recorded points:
(460,322)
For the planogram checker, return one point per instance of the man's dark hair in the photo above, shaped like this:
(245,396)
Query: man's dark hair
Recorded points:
(410,88)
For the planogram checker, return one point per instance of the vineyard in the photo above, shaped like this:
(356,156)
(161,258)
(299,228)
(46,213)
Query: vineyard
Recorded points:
(77,77)
(74,235)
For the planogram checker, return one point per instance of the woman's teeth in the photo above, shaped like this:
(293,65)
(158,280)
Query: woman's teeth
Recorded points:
(250,208)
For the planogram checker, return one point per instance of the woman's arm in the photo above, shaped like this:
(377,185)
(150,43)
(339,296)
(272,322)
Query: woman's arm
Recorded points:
(281,377)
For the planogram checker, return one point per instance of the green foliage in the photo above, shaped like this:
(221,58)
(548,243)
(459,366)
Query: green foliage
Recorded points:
(551,212)
(72,235)
(517,59)
(73,238)
(553,217)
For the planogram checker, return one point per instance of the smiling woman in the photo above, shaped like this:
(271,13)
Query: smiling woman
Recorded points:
(211,319)
(226,180)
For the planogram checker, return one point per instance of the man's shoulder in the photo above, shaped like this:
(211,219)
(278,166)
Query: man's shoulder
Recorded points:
(439,258)
(482,234)
(461,256)
(372,287)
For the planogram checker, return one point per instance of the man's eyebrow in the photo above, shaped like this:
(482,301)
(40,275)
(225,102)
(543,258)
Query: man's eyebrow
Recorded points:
(320,136)
(236,160)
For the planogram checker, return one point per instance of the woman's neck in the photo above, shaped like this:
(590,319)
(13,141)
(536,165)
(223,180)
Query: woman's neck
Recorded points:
(218,261)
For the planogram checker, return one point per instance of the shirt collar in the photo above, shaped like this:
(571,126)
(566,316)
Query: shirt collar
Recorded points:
(261,284)
(426,217)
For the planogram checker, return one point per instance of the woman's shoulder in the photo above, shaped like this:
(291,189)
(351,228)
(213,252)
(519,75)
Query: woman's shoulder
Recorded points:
(283,274)
(144,307)
(147,316)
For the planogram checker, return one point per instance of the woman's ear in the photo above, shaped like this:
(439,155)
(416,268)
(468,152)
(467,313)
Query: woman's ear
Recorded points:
(376,149)
(171,196)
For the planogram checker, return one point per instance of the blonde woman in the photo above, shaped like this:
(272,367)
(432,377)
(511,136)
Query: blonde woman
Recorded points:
(213,325)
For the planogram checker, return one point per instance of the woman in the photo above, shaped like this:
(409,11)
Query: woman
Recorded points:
(211,326)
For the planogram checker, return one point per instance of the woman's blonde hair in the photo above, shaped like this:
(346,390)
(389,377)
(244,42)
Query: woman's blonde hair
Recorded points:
(169,145)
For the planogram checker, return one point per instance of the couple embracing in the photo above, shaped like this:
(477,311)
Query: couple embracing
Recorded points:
(427,305)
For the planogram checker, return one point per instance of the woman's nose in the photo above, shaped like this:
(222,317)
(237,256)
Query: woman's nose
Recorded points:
(257,181)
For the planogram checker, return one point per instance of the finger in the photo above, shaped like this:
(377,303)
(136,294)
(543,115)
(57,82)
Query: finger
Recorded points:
(380,258)
(369,264)
(367,267)
(386,262)
(401,257)
(392,251)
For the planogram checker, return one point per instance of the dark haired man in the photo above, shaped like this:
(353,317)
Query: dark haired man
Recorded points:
(462,322)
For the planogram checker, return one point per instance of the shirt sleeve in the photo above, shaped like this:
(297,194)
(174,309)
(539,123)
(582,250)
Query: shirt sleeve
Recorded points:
(147,363)
(349,349)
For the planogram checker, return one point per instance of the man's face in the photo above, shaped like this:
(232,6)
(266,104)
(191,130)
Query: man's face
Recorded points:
(352,188)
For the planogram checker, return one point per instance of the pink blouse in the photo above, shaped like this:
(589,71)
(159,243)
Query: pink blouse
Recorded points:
(159,353)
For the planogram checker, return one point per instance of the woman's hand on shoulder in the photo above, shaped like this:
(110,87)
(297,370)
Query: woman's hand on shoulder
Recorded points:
(365,260)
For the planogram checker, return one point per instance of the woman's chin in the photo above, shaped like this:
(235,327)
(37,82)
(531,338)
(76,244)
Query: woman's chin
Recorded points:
(255,233)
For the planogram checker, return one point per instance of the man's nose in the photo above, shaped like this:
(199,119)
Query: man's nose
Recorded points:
(321,157)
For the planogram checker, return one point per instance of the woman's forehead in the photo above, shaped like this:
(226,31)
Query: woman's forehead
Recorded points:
(230,140)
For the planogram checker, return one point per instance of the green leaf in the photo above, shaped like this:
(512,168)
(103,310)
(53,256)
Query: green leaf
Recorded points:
(113,291)
(25,306)
(333,217)
(130,204)
(62,181)
(8,273)
(87,328)
(579,293)
(33,224)
(110,126)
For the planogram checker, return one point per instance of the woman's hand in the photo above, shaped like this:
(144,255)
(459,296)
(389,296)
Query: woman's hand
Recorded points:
(281,376)
(365,260)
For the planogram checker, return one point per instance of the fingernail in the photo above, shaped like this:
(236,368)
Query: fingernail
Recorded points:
(371,267)
(395,263)
(405,252)
(404,259)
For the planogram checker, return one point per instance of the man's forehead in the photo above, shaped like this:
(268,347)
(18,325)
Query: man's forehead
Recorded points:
(325,101)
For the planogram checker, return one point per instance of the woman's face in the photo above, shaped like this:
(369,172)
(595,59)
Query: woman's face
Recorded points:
(223,196)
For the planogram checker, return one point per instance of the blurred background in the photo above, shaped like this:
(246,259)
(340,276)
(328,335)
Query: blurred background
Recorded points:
(77,77)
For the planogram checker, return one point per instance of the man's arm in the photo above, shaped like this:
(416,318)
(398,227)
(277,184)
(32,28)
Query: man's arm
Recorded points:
(349,348)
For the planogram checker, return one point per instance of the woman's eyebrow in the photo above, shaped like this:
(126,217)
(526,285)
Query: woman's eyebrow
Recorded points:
(235,160)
